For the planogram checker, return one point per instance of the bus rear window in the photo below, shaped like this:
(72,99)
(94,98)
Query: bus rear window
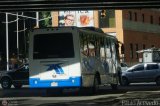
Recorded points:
(54,45)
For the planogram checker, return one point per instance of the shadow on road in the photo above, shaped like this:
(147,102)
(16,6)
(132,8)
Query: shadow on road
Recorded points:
(28,92)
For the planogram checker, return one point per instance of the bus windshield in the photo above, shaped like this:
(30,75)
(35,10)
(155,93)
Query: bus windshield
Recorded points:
(53,45)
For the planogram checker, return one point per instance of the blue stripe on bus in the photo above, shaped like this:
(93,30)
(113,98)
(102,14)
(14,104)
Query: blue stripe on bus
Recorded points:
(71,82)
(60,69)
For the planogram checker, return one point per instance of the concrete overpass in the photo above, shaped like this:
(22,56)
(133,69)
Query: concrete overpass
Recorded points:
(46,5)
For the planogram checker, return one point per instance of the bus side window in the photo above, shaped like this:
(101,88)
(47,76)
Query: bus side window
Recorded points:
(102,49)
(122,49)
(110,45)
(117,50)
(108,48)
(97,46)
(113,48)
(86,52)
(91,46)
(83,44)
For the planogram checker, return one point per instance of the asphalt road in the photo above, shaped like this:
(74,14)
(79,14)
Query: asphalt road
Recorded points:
(133,95)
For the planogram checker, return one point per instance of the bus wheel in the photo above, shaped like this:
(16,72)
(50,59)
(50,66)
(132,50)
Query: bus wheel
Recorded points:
(114,86)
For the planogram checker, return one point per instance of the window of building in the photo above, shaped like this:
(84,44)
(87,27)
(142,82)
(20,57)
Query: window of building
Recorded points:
(136,51)
(151,19)
(142,17)
(108,20)
(135,16)
(144,46)
(131,50)
(152,46)
(130,15)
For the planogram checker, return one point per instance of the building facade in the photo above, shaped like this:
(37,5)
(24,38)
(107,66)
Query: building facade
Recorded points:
(135,28)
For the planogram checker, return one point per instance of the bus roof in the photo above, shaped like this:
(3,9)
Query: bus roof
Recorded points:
(98,30)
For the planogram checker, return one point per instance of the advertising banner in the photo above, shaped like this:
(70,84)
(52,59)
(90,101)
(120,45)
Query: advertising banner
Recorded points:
(67,18)
(76,18)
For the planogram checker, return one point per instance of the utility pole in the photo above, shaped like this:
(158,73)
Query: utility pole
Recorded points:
(24,28)
(7,45)
(37,19)
(17,39)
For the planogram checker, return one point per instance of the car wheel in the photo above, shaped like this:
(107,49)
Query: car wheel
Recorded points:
(6,83)
(158,81)
(18,86)
(114,86)
(124,81)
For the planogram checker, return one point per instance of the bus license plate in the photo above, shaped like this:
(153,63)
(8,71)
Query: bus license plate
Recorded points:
(54,84)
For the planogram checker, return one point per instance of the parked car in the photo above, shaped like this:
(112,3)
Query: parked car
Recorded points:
(124,66)
(17,77)
(143,72)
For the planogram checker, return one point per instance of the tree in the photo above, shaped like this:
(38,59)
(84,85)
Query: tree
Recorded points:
(45,19)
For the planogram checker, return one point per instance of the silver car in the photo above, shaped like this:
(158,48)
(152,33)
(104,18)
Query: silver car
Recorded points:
(143,72)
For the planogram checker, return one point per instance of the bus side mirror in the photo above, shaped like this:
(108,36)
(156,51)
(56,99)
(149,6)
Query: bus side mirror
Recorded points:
(122,49)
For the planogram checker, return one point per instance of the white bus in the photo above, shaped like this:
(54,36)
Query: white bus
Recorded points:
(63,57)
